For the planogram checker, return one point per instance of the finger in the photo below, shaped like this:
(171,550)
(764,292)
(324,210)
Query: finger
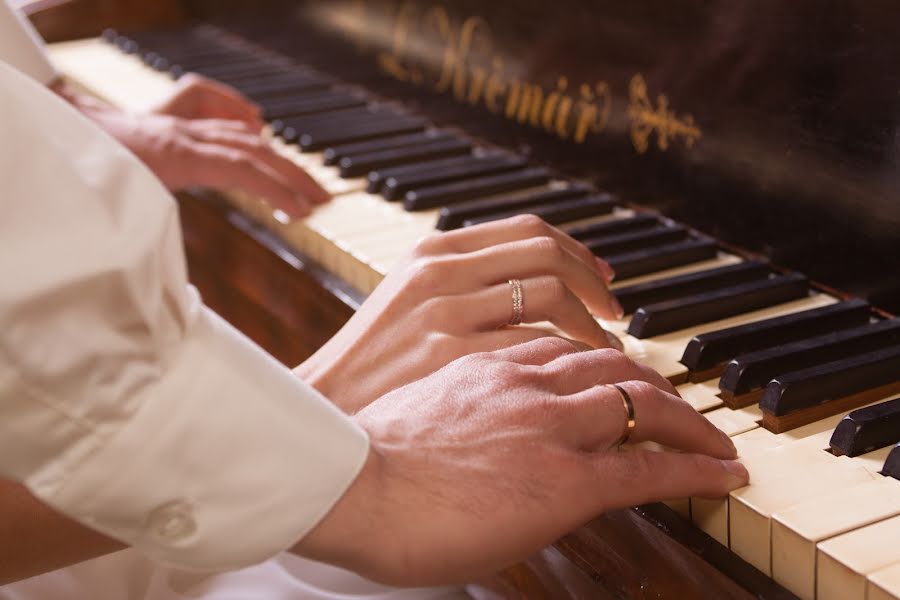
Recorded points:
(512,336)
(197,126)
(588,369)
(544,299)
(641,476)
(478,237)
(541,256)
(254,144)
(222,167)
(217,100)
(658,416)
(536,352)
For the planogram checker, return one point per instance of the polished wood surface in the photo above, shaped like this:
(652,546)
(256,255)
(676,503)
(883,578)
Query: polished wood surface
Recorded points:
(768,125)
(59,20)
(278,298)
(289,306)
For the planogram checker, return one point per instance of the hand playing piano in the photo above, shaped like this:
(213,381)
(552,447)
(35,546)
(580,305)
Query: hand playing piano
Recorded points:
(499,454)
(196,97)
(206,134)
(452,298)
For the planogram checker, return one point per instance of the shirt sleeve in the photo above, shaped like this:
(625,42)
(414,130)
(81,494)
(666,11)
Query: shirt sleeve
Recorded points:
(124,402)
(21,46)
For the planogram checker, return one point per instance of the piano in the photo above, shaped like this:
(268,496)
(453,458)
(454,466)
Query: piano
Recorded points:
(736,162)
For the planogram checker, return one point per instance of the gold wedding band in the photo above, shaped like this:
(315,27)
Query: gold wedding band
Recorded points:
(518,301)
(629,414)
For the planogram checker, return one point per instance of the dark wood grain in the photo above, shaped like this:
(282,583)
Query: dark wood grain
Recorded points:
(59,20)
(280,299)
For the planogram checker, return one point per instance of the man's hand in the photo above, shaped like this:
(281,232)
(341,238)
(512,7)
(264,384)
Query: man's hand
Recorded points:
(452,298)
(497,455)
(207,134)
(196,97)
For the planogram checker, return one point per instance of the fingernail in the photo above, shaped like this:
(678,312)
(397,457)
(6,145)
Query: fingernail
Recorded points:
(728,444)
(614,341)
(738,470)
(281,216)
(617,308)
(605,270)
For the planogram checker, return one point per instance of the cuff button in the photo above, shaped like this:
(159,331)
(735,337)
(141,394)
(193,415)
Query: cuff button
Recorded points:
(172,522)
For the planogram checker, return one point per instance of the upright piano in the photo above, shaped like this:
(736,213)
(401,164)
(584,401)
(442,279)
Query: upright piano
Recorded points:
(738,164)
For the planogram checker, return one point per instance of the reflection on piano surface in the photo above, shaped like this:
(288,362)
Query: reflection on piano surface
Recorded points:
(733,118)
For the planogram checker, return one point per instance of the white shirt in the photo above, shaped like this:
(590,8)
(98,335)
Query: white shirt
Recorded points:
(21,46)
(124,402)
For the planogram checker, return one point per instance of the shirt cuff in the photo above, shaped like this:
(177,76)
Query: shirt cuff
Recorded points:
(22,47)
(228,459)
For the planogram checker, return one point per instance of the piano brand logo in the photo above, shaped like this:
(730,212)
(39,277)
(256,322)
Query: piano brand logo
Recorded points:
(426,47)
(645,119)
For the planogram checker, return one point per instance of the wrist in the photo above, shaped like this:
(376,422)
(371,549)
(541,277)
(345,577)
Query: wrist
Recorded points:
(351,535)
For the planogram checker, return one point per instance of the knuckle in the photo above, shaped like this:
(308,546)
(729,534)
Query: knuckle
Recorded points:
(700,463)
(427,273)
(641,388)
(613,359)
(438,312)
(530,224)
(507,374)
(635,466)
(557,291)
(429,245)
(547,246)
(554,345)
(238,158)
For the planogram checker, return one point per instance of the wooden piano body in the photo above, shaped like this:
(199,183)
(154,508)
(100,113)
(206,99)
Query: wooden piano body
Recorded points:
(770,126)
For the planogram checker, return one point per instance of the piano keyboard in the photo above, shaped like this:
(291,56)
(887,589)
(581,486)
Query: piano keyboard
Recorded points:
(805,383)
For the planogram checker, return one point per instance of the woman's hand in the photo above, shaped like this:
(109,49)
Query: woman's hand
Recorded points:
(452,298)
(206,134)
(499,454)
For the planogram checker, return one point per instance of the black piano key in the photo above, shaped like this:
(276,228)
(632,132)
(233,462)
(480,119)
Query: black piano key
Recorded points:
(292,107)
(328,120)
(817,385)
(673,315)
(332,155)
(310,142)
(612,227)
(635,240)
(360,164)
(438,195)
(651,260)
(867,429)
(892,464)
(635,296)
(241,69)
(557,211)
(753,370)
(708,350)
(260,87)
(340,120)
(453,216)
(168,59)
(190,54)
(378,177)
(396,186)
(126,44)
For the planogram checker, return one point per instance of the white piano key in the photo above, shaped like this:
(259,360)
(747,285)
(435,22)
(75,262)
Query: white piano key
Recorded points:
(103,71)
(843,563)
(884,584)
(797,530)
(751,508)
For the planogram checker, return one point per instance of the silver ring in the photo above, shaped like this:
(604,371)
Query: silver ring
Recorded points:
(518,302)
